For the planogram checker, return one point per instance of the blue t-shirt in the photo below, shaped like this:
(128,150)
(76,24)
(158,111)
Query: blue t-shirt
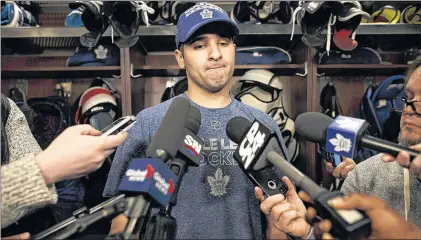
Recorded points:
(216,200)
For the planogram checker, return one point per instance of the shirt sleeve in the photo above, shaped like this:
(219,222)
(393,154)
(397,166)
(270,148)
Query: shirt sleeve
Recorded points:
(360,179)
(23,186)
(23,189)
(135,146)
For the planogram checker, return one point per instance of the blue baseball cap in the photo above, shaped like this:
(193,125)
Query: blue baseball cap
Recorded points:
(198,16)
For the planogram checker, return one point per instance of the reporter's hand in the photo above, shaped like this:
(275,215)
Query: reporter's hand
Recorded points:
(286,215)
(77,151)
(403,160)
(384,219)
(321,227)
(341,171)
(25,235)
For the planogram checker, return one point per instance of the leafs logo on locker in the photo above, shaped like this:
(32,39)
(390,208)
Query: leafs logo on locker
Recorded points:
(192,145)
(253,141)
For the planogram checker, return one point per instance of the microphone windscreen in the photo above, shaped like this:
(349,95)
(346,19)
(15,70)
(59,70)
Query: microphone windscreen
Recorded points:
(237,127)
(312,126)
(194,119)
(171,130)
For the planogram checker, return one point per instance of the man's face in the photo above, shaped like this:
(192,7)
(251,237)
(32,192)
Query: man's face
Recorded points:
(209,60)
(411,122)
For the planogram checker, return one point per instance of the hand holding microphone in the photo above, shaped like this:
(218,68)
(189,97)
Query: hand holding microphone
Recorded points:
(403,159)
(285,213)
(346,224)
(344,135)
(386,223)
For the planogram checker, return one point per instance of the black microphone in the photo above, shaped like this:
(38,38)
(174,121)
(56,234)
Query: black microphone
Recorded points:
(348,223)
(65,227)
(344,135)
(191,147)
(254,142)
(171,130)
(162,225)
(164,147)
(189,150)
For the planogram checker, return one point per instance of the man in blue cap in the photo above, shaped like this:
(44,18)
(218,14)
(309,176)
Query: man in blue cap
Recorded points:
(216,200)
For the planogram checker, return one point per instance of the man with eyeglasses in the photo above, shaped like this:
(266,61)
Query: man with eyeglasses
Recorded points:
(384,177)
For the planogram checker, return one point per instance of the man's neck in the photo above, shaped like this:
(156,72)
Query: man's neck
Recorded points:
(206,99)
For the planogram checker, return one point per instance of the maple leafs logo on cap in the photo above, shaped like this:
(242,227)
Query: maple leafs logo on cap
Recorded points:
(101,52)
(206,13)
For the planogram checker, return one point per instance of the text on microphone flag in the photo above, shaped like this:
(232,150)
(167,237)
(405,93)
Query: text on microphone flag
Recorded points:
(252,143)
(192,145)
(150,176)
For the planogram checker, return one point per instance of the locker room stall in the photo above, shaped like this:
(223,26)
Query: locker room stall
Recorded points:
(36,59)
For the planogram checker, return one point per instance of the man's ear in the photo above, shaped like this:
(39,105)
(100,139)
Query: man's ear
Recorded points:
(180,59)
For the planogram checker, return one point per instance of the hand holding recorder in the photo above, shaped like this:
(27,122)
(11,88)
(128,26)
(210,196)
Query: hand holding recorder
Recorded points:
(79,150)
(386,223)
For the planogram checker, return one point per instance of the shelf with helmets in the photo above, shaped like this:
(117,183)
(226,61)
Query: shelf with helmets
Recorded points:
(245,29)
(240,69)
(61,72)
(361,69)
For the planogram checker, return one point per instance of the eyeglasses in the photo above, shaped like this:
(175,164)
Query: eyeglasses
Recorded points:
(399,104)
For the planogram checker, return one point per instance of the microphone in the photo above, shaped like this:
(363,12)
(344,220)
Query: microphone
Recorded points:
(162,225)
(346,224)
(171,130)
(83,217)
(146,178)
(188,153)
(254,142)
(150,176)
(191,147)
(344,135)
(162,148)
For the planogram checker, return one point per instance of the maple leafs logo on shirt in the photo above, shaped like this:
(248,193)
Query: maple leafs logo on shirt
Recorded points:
(218,183)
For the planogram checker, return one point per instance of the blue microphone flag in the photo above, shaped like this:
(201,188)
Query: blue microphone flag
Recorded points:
(150,176)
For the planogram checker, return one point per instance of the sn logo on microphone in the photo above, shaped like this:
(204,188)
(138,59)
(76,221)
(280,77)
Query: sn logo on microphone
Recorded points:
(192,145)
(253,141)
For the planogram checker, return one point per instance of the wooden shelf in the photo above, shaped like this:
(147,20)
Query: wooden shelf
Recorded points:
(245,29)
(361,69)
(174,70)
(60,72)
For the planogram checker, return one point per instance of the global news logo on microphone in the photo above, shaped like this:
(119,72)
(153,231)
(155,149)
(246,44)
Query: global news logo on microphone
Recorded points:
(342,135)
(140,175)
(252,143)
(150,176)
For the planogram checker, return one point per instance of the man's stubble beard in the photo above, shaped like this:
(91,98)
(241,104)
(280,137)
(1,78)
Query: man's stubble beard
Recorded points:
(408,142)
(210,89)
